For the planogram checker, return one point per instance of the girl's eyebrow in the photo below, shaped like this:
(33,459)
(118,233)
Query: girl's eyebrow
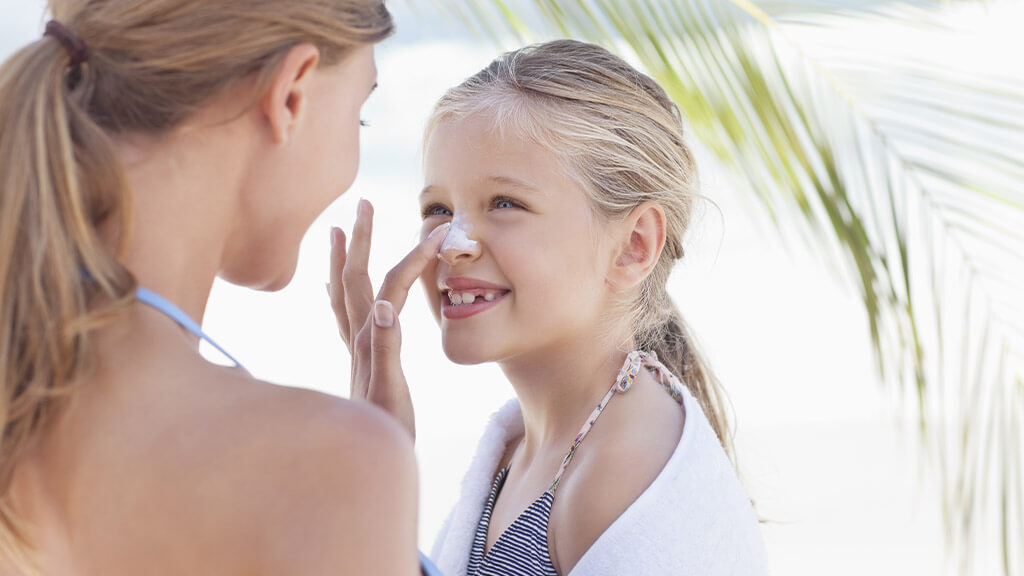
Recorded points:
(511,182)
(506,181)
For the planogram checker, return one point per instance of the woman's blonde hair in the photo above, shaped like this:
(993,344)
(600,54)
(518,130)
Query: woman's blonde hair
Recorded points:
(621,137)
(151,65)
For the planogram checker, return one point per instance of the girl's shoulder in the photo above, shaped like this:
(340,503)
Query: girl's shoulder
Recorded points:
(624,454)
(695,517)
(656,491)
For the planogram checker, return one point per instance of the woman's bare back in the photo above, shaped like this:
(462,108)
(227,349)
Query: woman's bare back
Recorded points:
(200,469)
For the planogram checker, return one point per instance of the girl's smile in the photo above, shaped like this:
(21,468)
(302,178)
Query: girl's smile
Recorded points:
(464,297)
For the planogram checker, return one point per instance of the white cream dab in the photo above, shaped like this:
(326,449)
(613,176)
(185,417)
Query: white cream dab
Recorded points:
(458,236)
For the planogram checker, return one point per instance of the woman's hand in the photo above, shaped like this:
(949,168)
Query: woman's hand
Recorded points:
(370,326)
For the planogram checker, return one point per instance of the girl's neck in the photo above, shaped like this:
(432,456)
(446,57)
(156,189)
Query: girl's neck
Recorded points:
(559,388)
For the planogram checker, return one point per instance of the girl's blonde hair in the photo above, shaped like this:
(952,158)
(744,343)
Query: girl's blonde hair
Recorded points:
(151,65)
(621,137)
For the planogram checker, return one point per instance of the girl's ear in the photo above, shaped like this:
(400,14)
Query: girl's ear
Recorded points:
(643,238)
(284,103)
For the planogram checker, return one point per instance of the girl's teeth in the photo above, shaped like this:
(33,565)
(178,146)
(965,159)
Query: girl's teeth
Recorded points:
(459,299)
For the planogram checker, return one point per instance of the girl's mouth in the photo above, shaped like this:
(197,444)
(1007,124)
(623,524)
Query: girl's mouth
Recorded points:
(458,304)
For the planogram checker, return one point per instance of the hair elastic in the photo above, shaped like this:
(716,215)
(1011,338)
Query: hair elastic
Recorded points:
(76,48)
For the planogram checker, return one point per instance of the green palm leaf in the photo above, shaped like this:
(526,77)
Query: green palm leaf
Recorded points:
(906,171)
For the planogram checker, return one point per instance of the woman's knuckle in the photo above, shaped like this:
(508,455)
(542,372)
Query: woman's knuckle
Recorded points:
(363,340)
(352,275)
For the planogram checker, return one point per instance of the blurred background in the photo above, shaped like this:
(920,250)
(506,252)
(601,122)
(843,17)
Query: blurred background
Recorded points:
(854,276)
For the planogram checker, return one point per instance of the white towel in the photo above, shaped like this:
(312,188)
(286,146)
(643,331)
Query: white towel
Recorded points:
(455,539)
(694,519)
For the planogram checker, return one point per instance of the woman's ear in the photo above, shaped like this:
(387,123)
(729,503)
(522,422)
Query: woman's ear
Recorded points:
(284,103)
(642,240)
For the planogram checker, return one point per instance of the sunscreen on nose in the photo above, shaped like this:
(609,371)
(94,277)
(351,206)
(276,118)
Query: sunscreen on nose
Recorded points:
(458,236)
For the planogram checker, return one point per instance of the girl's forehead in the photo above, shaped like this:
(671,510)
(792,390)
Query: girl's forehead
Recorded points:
(508,181)
(481,149)
(475,153)
(498,127)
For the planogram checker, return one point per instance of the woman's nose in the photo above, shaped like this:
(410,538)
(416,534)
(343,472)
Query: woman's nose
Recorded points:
(458,246)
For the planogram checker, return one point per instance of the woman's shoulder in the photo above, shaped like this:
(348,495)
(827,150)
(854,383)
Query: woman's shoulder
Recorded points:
(297,470)
(285,432)
(298,422)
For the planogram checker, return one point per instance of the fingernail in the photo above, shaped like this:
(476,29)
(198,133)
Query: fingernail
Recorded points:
(383,314)
(364,206)
(334,235)
(439,230)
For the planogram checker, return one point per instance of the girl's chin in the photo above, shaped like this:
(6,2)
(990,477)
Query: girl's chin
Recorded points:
(465,355)
(465,359)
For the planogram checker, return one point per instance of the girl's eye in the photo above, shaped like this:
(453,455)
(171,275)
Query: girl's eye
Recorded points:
(506,203)
(435,210)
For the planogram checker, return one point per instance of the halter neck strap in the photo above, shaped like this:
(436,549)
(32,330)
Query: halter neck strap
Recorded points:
(623,382)
(158,302)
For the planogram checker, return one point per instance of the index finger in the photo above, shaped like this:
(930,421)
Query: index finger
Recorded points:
(399,280)
(355,277)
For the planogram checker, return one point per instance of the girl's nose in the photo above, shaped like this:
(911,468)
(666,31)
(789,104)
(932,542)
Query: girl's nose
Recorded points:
(458,246)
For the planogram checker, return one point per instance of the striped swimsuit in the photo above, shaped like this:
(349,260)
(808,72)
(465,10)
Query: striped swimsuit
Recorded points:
(522,549)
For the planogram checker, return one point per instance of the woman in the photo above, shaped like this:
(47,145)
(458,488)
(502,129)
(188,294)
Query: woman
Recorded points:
(146,148)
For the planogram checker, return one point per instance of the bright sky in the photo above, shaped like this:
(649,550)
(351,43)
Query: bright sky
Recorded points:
(823,449)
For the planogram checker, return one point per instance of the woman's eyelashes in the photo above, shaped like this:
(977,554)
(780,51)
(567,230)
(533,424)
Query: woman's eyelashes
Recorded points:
(496,203)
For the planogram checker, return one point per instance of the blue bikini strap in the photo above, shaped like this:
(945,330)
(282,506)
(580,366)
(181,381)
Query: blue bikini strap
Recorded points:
(150,298)
(427,568)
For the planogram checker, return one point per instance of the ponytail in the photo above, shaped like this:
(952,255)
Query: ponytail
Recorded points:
(60,178)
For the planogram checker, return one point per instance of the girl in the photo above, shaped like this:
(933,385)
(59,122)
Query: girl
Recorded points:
(145,148)
(568,187)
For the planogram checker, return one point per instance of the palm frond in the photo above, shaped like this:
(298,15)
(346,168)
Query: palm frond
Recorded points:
(906,170)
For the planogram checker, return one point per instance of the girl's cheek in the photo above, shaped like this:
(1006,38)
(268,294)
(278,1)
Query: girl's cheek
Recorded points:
(428,226)
(429,282)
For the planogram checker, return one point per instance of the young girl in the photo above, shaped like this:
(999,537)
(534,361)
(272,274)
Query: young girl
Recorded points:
(146,148)
(568,186)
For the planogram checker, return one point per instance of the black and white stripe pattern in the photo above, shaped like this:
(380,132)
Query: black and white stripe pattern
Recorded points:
(522,550)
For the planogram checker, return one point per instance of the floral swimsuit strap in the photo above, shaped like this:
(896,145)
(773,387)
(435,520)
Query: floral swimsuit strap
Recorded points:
(623,382)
